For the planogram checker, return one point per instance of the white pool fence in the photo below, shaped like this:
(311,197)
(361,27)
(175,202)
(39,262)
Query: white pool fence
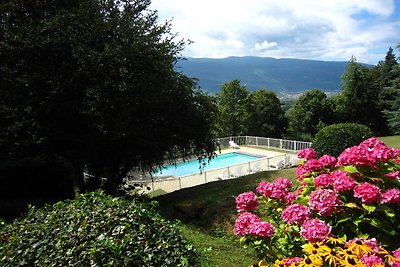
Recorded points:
(287,159)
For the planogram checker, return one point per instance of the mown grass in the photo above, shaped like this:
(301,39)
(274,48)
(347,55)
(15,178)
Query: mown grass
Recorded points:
(392,141)
(208,212)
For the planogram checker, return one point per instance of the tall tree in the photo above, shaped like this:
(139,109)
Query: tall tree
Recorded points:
(358,99)
(310,113)
(266,117)
(93,82)
(389,94)
(232,101)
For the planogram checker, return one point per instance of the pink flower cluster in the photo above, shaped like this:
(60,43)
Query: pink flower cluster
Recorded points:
(292,261)
(323,180)
(307,153)
(246,201)
(368,193)
(278,189)
(342,181)
(393,175)
(314,165)
(391,196)
(295,214)
(315,230)
(368,153)
(250,224)
(324,201)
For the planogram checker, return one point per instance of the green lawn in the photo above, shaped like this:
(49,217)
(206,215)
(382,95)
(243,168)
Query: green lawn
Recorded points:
(208,212)
(392,141)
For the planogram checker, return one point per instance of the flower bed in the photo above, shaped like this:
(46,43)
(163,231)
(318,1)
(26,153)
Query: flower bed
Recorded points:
(354,198)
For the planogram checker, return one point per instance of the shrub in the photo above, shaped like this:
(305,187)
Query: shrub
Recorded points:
(94,230)
(333,139)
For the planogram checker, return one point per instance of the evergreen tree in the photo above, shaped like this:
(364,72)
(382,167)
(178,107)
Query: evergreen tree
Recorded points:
(358,100)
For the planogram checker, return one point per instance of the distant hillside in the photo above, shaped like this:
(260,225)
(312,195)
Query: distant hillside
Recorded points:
(284,76)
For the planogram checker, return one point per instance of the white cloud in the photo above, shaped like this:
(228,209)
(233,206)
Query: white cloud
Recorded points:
(264,46)
(324,29)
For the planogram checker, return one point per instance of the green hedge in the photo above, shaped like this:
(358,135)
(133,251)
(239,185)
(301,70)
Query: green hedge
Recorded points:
(333,139)
(94,230)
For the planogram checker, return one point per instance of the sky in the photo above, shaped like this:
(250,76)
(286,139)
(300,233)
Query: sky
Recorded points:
(331,30)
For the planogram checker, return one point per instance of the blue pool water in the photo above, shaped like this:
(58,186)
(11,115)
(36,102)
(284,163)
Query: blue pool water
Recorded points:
(191,167)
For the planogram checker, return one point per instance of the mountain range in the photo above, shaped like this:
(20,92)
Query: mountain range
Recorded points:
(283,76)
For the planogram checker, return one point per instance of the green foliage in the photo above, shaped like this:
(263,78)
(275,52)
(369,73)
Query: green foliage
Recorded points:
(358,101)
(312,111)
(266,117)
(333,139)
(93,83)
(94,230)
(233,101)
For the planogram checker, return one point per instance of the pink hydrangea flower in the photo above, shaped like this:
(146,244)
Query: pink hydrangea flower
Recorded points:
(313,165)
(315,230)
(289,261)
(246,201)
(372,260)
(396,253)
(368,193)
(327,160)
(265,188)
(296,214)
(391,196)
(262,229)
(368,153)
(302,172)
(307,153)
(393,175)
(342,181)
(290,197)
(244,223)
(280,188)
(323,180)
(324,201)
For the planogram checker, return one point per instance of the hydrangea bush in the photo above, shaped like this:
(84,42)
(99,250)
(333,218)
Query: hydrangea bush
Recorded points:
(356,195)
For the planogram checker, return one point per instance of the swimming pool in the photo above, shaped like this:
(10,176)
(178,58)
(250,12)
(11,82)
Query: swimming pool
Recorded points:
(191,167)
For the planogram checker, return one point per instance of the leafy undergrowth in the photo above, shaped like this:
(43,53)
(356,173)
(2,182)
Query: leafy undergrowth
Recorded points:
(94,230)
(208,213)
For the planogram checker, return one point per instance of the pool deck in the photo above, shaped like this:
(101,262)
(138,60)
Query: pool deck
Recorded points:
(254,150)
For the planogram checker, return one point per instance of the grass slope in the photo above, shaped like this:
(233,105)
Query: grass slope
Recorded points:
(208,212)
(392,141)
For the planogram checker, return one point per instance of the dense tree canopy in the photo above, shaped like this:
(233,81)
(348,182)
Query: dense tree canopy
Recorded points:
(93,83)
(266,117)
(232,103)
(311,112)
(358,100)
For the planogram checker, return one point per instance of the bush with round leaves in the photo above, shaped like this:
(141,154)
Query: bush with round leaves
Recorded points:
(333,139)
(94,230)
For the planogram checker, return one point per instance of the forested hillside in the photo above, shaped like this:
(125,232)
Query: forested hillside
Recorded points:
(284,76)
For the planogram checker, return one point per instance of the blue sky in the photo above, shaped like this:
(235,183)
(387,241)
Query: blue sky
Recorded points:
(307,29)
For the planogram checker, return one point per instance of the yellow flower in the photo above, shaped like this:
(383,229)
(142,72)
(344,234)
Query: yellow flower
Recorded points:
(333,258)
(309,247)
(359,248)
(346,254)
(308,262)
(335,241)
(389,257)
(349,262)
